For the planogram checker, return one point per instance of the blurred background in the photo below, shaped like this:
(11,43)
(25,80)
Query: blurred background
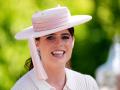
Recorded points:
(93,39)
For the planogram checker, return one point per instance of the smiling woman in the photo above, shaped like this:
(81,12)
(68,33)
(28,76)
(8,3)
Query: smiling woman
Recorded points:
(51,41)
(29,63)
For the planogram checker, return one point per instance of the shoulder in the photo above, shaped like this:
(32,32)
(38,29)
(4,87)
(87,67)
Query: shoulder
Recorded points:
(91,83)
(82,80)
(24,83)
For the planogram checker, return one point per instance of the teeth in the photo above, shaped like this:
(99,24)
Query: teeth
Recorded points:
(58,52)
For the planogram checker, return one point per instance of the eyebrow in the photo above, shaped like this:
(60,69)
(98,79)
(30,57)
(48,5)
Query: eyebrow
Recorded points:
(61,34)
(66,34)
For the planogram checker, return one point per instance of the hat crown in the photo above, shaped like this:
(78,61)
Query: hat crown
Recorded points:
(50,18)
(50,12)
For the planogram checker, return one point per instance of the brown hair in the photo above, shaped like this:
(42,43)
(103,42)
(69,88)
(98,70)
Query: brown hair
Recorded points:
(29,64)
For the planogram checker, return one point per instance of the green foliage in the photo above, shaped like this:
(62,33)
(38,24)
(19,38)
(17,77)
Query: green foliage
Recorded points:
(92,43)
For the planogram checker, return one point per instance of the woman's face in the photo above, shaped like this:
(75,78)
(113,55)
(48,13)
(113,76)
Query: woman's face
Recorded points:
(56,48)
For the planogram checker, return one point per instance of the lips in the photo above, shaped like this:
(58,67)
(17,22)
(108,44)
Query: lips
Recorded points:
(58,53)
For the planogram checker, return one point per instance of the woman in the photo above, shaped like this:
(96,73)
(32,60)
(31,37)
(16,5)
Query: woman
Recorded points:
(51,41)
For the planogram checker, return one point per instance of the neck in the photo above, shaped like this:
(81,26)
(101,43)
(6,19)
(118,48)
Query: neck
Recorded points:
(56,77)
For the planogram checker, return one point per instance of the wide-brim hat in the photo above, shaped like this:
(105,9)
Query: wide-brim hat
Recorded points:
(51,21)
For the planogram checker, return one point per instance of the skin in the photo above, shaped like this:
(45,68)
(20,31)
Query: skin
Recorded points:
(61,41)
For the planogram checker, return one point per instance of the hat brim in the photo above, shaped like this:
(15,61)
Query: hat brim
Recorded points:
(74,20)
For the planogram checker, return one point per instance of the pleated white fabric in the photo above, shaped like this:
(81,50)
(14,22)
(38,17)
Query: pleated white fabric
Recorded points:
(75,81)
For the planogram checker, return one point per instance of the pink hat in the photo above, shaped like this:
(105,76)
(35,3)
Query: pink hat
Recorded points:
(47,22)
(51,21)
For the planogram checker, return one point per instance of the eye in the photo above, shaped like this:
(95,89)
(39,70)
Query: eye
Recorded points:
(51,37)
(65,37)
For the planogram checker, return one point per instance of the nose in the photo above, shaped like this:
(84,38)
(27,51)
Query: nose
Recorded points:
(59,42)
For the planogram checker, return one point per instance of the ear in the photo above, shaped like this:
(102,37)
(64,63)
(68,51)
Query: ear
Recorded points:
(37,43)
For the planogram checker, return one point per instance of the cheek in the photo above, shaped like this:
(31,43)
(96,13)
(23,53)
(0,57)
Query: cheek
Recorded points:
(69,47)
(44,50)
(44,53)
(70,44)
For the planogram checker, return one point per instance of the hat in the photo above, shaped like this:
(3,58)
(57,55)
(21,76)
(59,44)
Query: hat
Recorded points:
(51,21)
(44,23)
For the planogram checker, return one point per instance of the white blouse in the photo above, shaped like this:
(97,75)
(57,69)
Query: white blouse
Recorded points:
(75,81)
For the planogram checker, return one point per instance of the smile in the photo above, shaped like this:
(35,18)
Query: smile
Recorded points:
(58,53)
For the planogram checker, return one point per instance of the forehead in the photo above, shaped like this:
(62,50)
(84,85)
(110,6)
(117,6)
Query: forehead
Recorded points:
(60,32)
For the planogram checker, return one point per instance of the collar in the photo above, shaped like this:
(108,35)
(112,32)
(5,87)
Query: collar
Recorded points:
(70,80)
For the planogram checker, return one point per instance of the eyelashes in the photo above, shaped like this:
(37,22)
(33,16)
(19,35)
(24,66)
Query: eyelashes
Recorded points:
(53,37)
(65,37)
(50,37)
